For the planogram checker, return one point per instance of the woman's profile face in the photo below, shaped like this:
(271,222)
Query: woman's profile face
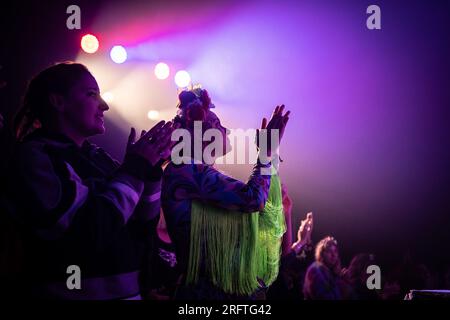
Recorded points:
(84,107)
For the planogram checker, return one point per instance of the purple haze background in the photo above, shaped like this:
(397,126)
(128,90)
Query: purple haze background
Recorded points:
(367,145)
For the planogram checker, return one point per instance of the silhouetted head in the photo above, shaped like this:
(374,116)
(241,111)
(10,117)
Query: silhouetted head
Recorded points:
(195,106)
(357,270)
(64,98)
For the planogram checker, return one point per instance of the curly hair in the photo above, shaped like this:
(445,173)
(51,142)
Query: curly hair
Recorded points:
(323,245)
(193,105)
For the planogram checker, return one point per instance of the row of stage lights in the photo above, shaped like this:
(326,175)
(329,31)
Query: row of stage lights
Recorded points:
(118,54)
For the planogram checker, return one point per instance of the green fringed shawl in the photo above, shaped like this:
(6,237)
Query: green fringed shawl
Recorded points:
(234,249)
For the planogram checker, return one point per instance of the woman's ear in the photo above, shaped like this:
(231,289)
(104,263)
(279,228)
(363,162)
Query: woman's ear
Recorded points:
(57,101)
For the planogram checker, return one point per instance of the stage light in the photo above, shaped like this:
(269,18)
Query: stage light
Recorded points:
(89,43)
(108,97)
(162,71)
(153,115)
(182,78)
(118,54)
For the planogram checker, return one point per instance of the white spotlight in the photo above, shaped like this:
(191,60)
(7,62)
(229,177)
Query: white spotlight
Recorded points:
(153,115)
(108,97)
(182,78)
(162,71)
(118,54)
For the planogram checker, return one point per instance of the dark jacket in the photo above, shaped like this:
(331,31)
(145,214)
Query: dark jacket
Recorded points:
(321,283)
(77,206)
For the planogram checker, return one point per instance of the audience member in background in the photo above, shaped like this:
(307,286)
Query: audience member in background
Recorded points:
(295,260)
(390,287)
(411,275)
(323,280)
(356,277)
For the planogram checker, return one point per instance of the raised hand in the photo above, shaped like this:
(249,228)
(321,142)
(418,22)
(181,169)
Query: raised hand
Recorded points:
(304,231)
(278,121)
(154,145)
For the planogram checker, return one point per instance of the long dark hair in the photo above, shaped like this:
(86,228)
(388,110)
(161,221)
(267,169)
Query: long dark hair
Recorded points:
(36,107)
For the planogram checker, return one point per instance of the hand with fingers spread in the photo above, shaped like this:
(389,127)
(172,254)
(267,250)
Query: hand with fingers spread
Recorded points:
(153,145)
(278,121)
(167,143)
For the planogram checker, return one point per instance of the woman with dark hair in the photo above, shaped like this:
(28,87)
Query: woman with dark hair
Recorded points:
(356,275)
(84,217)
(225,249)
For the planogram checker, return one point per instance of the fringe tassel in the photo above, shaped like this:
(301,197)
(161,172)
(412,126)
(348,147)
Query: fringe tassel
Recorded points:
(235,249)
